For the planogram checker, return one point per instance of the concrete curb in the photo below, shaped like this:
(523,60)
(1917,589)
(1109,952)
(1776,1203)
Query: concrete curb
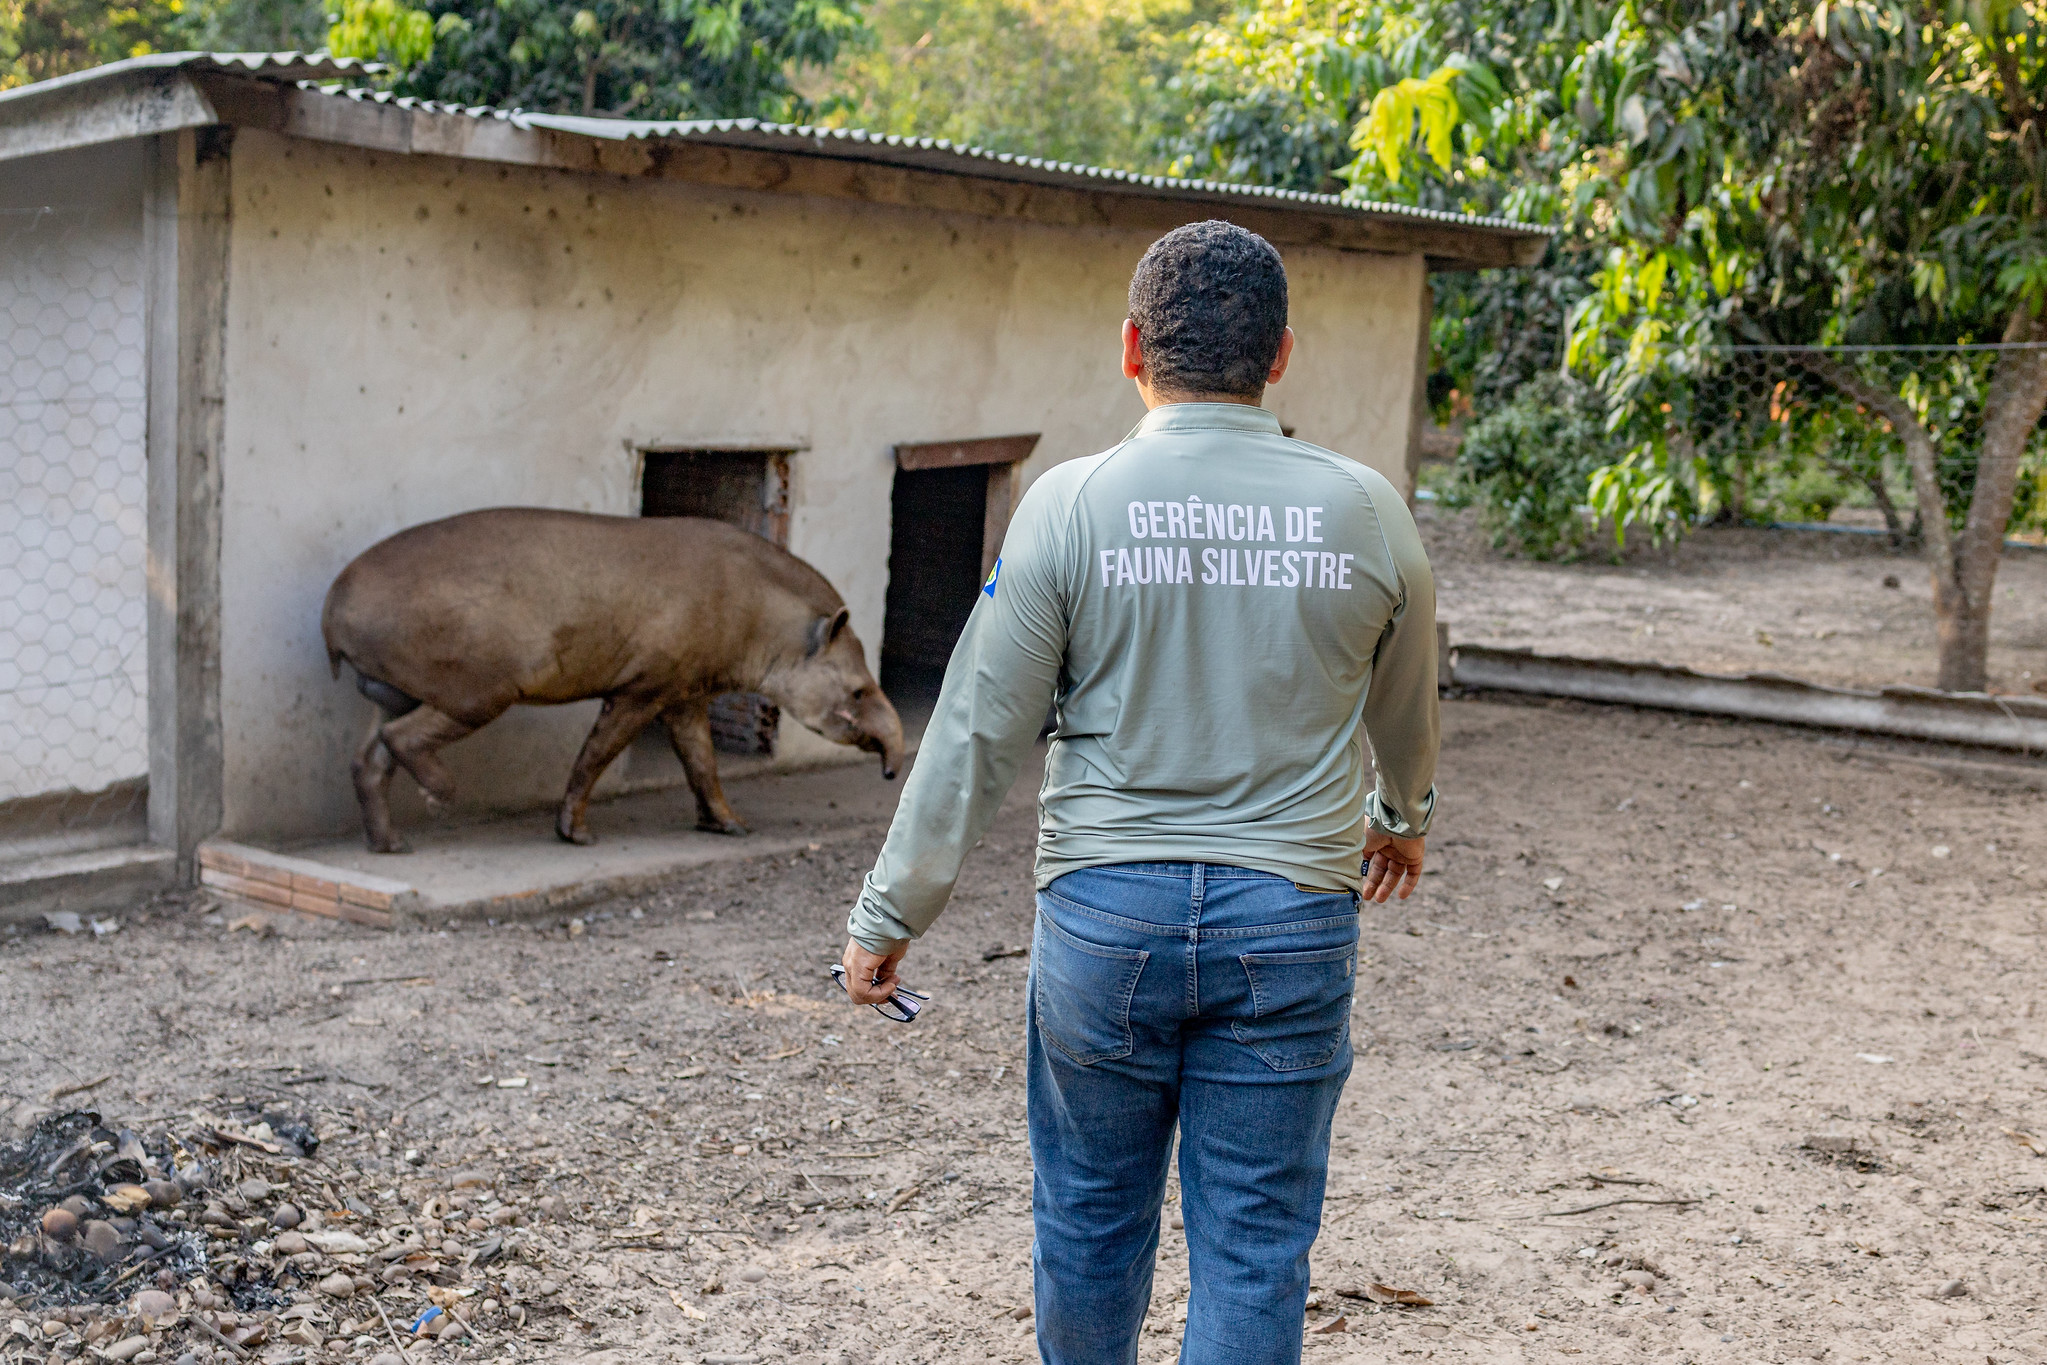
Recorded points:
(1992,722)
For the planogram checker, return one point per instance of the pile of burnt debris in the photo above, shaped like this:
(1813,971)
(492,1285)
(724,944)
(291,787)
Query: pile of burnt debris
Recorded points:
(217,1239)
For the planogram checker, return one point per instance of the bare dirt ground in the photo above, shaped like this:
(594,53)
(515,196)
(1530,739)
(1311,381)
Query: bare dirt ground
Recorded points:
(1753,1013)
(1734,600)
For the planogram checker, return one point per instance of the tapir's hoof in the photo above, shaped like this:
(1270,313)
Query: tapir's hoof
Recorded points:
(579,836)
(732,827)
(394,844)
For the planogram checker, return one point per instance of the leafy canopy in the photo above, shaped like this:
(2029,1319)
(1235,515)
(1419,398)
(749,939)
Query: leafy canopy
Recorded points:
(44,38)
(618,58)
(1071,80)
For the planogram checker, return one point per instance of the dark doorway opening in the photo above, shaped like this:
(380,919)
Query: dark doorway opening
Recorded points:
(934,572)
(750,489)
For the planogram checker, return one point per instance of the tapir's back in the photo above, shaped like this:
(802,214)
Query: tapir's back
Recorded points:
(532,604)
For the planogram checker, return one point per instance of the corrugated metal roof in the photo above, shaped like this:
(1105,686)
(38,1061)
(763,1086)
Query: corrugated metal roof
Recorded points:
(923,153)
(339,77)
(281,66)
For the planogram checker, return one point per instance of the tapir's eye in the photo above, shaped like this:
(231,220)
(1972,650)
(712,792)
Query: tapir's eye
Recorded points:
(859,694)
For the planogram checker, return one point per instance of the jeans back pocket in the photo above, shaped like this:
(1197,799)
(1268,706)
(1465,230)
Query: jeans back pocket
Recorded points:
(1082,993)
(1300,1006)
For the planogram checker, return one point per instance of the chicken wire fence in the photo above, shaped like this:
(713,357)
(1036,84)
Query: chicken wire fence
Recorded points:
(73,655)
(1796,433)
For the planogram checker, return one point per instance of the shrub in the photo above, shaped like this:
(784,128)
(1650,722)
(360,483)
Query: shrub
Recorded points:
(1527,466)
(1809,494)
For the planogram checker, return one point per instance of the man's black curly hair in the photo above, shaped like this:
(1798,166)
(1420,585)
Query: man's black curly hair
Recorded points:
(1209,301)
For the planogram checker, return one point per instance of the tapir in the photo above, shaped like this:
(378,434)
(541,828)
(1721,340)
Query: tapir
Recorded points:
(449,624)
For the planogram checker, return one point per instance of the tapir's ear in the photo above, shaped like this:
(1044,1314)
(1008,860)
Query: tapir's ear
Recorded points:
(825,629)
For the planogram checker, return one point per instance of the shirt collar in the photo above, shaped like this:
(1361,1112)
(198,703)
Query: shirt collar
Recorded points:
(1207,417)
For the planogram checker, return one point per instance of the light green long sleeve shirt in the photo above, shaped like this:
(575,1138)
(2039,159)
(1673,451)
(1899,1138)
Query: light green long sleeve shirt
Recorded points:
(1219,611)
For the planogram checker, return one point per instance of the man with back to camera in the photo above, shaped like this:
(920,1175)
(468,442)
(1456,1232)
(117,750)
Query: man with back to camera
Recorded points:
(1216,609)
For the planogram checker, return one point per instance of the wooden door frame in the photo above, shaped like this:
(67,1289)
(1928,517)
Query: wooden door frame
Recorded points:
(1002,454)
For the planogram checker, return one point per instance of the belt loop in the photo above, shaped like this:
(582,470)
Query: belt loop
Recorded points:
(1200,885)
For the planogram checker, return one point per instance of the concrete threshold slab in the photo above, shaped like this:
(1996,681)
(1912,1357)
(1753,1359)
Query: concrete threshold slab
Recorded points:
(514,866)
(92,879)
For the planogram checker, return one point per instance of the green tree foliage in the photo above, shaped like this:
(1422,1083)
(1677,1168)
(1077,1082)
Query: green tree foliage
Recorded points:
(384,31)
(1307,93)
(255,26)
(1071,80)
(1744,170)
(44,38)
(1868,174)
(651,59)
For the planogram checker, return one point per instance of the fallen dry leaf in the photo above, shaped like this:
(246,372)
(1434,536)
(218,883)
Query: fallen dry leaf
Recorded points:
(689,1310)
(126,1198)
(1341,1324)
(1405,1298)
(786,1053)
(2027,1141)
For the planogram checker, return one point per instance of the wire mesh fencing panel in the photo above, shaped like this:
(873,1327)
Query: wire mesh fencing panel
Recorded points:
(73,651)
(1796,432)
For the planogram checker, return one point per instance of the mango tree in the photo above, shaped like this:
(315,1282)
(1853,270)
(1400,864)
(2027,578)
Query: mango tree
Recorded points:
(1772,172)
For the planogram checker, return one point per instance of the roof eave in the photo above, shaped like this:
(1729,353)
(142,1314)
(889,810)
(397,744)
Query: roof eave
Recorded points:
(140,97)
(172,91)
(69,112)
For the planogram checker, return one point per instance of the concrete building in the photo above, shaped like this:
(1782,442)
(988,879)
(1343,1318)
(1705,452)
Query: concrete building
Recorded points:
(253,320)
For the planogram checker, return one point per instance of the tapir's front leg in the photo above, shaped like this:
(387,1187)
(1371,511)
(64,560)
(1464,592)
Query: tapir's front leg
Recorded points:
(622,718)
(689,730)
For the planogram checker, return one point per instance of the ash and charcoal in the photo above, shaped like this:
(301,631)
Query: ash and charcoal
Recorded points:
(222,1235)
(86,1210)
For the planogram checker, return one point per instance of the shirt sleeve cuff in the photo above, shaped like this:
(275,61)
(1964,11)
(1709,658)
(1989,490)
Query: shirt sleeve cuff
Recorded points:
(1387,820)
(875,929)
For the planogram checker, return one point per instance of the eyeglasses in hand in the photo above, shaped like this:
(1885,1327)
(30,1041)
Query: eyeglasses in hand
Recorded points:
(900,1008)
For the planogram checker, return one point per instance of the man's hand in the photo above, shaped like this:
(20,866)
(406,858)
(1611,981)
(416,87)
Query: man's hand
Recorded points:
(870,977)
(1392,867)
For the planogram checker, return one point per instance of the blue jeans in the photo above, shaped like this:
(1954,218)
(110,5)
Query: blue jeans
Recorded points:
(1217,998)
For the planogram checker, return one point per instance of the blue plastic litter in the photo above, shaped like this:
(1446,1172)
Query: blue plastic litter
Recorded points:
(423,1319)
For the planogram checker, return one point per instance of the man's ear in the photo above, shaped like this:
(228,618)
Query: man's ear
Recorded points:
(825,629)
(1133,350)
(1279,362)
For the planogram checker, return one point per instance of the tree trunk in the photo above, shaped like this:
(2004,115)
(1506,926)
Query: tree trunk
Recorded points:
(1949,602)
(2018,392)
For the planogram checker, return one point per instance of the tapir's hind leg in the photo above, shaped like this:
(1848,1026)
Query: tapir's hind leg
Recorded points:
(620,720)
(415,740)
(689,730)
(372,771)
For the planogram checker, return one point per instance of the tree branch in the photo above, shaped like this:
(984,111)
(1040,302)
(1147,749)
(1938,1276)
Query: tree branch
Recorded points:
(2017,107)
(1919,453)
(1878,493)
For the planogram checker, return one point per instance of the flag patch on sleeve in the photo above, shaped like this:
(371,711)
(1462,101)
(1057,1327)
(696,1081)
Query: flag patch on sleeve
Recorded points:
(993,574)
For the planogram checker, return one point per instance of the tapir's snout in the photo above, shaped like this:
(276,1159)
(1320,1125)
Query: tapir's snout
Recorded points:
(868,720)
(884,731)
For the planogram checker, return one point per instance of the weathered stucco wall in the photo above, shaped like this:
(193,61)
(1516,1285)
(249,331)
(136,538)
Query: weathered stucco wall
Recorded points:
(412,337)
